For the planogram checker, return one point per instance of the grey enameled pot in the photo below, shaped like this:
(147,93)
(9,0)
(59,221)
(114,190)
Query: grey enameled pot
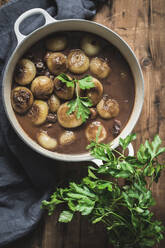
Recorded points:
(51,25)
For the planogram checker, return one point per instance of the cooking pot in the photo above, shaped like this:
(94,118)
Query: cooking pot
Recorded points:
(51,25)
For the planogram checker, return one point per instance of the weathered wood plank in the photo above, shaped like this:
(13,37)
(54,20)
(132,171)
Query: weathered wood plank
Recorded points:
(2,2)
(143,29)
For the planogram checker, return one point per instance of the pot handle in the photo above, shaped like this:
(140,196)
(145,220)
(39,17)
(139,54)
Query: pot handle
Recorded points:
(48,19)
(99,162)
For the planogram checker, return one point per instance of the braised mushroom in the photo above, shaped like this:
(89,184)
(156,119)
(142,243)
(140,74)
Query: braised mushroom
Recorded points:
(92,130)
(93,113)
(25,72)
(56,43)
(54,103)
(22,99)
(42,87)
(68,120)
(90,45)
(108,108)
(61,89)
(67,138)
(56,62)
(46,141)
(95,94)
(38,112)
(99,67)
(78,62)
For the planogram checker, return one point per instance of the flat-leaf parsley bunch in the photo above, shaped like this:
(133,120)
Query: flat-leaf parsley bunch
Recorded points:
(124,209)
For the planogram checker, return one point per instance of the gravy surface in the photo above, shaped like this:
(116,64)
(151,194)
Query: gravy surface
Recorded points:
(119,85)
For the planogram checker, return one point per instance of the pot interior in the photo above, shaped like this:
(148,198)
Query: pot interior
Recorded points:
(73,25)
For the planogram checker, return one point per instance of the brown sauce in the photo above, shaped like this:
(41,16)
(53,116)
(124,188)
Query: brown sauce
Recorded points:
(119,85)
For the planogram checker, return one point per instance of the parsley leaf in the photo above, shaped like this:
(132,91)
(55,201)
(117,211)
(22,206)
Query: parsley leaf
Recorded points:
(125,142)
(86,83)
(124,210)
(65,216)
(154,148)
(81,106)
(65,79)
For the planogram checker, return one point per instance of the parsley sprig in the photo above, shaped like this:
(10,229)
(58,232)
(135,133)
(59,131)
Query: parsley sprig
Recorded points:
(65,79)
(80,105)
(86,83)
(125,211)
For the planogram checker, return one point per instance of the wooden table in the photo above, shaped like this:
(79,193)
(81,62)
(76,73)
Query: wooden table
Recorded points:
(142,24)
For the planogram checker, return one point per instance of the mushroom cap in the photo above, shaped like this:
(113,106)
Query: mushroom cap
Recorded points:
(21,99)
(25,72)
(95,94)
(46,141)
(54,103)
(38,112)
(67,137)
(90,45)
(42,87)
(99,67)
(68,120)
(78,62)
(92,131)
(56,43)
(56,62)
(62,91)
(108,108)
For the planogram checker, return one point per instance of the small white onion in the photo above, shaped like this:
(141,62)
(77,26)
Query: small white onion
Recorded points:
(46,141)
(67,137)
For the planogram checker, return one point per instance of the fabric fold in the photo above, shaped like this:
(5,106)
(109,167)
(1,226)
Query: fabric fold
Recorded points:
(26,177)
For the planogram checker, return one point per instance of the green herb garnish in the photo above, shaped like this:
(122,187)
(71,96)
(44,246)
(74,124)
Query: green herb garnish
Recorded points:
(65,79)
(81,105)
(86,83)
(124,210)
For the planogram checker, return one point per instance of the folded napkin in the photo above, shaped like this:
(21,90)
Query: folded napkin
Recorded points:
(26,178)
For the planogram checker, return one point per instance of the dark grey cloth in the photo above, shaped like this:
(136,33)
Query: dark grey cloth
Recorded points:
(26,178)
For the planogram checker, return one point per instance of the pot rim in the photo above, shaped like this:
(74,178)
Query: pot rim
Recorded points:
(70,157)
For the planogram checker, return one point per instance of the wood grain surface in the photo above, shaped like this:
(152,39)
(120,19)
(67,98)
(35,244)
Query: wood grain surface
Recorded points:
(142,24)
(3,2)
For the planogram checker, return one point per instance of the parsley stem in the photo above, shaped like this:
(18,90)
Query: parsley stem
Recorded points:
(111,212)
(121,154)
(116,200)
(124,210)
(77,84)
